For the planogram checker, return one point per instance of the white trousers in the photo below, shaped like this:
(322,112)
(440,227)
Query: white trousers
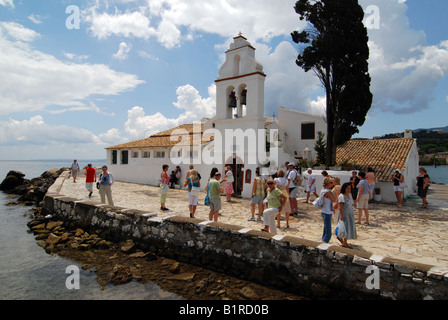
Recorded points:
(269,216)
(106,191)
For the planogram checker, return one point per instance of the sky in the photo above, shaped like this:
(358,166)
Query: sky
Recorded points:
(77,76)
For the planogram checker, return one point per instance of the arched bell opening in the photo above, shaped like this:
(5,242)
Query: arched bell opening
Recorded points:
(232,102)
(242,97)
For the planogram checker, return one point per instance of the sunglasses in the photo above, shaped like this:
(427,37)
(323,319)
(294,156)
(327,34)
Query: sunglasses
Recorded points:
(270,183)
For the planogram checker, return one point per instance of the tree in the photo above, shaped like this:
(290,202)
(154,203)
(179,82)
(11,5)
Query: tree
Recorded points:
(336,49)
(320,147)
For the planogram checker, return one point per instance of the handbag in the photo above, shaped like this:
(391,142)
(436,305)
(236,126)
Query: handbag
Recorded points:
(164,188)
(340,230)
(98,183)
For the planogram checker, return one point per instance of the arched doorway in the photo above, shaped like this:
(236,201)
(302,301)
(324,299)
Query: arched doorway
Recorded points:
(237,167)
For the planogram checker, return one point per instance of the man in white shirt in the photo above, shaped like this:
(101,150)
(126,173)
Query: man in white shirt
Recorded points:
(75,169)
(293,189)
(311,185)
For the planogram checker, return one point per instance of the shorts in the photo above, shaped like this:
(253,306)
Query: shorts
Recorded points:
(257,199)
(89,186)
(398,189)
(363,202)
(312,188)
(192,200)
(293,192)
(215,204)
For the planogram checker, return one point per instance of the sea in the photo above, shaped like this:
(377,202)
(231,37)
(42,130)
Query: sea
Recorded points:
(27,272)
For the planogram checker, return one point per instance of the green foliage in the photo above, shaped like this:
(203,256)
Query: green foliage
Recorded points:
(320,147)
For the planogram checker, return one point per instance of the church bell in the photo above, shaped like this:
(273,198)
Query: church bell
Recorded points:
(243,97)
(232,103)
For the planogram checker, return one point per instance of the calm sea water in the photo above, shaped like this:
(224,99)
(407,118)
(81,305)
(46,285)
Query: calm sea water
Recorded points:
(438,174)
(28,273)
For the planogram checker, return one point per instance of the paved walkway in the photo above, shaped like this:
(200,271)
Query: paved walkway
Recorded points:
(408,233)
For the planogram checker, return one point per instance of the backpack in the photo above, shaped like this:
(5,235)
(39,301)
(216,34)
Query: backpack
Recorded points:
(298,179)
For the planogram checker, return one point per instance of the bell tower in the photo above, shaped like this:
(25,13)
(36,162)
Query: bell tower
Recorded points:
(240,88)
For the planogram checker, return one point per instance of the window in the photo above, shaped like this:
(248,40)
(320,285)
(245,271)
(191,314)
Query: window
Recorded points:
(124,157)
(114,156)
(146,154)
(308,131)
(134,154)
(159,154)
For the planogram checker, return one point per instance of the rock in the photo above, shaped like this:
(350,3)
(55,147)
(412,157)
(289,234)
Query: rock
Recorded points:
(120,275)
(175,268)
(103,244)
(52,239)
(135,273)
(128,247)
(249,293)
(151,256)
(12,180)
(137,255)
(183,277)
(79,232)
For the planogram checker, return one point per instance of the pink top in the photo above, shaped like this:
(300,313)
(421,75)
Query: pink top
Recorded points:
(165,179)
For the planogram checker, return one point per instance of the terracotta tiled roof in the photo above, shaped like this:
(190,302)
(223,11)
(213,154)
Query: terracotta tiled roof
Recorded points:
(163,139)
(382,155)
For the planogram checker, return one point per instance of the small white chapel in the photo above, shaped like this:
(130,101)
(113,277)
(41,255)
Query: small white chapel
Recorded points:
(239,136)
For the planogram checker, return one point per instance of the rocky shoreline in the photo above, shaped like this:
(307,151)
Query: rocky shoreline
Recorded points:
(122,262)
(31,192)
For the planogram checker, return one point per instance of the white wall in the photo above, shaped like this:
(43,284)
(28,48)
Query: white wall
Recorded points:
(291,122)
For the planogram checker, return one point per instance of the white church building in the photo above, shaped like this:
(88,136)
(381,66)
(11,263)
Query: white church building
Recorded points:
(239,136)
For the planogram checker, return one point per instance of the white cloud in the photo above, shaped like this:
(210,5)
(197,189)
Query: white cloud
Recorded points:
(128,24)
(37,19)
(172,21)
(193,107)
(18,32)
(405,72)
(36,132)
(33,138)
(7,3)
(33,80)
(123,51)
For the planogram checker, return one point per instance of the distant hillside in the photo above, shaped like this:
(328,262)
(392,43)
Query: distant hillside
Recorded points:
(444,129)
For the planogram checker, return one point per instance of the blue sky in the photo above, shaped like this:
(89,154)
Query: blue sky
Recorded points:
(136,67)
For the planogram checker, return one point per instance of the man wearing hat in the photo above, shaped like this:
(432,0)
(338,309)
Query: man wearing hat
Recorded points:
(311,185)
